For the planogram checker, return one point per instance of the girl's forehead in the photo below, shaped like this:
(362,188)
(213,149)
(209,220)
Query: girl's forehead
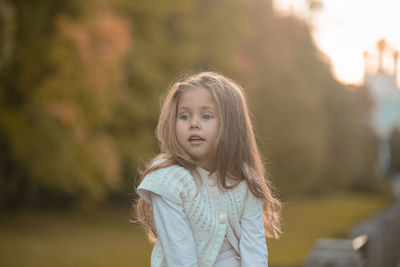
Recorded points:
(195,98)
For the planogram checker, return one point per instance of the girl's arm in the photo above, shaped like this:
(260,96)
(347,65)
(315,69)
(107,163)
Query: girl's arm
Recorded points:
(253,249)
(174,232)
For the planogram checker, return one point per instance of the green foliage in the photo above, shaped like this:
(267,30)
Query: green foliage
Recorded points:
(79,96)
(59,112)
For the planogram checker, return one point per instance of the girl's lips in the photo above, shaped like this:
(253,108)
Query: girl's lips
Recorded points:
(196,142)
(195,139)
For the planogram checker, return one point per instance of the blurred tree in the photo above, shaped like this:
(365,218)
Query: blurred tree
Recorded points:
(79,95)
(7,31)
(351,141)
(58,110)
(20,77)
(315,131)
(287,98)
(395,151)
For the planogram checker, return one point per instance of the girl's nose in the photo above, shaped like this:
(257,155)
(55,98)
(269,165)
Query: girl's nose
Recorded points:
(194,123)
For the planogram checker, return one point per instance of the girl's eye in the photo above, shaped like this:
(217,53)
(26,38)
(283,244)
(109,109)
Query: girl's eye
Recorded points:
(207,116)
(184,117)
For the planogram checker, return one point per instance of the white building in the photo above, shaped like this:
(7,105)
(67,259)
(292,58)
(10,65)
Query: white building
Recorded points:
(382,81)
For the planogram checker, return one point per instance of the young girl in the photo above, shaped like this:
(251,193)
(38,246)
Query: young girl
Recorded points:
(204,201)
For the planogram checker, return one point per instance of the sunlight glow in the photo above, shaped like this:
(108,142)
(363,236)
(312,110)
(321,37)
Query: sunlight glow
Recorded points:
(344,29)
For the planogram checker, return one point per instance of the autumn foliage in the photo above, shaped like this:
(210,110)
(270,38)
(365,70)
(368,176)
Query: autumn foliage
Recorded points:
(79,96)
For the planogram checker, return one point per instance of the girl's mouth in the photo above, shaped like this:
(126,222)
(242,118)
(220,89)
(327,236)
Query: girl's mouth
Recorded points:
(195,140)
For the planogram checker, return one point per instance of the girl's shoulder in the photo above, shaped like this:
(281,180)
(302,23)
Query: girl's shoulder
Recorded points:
(170,171)
(172,182)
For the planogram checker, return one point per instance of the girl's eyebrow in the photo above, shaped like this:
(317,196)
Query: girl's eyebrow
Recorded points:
(208,107)
(202,108)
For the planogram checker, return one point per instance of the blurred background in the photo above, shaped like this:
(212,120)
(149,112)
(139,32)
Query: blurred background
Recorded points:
(80,87)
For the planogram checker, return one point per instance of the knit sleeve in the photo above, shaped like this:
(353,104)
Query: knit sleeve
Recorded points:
(173,183)
(252,204)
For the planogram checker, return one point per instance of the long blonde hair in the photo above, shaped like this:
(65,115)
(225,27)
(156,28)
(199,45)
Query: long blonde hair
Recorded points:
(235,154)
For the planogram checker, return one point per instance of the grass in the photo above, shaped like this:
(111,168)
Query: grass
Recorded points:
(76,239)
(106,238)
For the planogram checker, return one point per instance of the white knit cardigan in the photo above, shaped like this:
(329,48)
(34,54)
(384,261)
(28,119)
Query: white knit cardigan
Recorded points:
(209,228)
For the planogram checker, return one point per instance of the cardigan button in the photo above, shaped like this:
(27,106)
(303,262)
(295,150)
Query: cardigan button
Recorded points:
(222,218)
(211,182)
(183,194)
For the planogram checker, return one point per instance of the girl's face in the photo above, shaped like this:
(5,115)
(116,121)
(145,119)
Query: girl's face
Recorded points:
(197,124)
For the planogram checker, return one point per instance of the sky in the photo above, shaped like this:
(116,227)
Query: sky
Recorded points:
(344,29)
